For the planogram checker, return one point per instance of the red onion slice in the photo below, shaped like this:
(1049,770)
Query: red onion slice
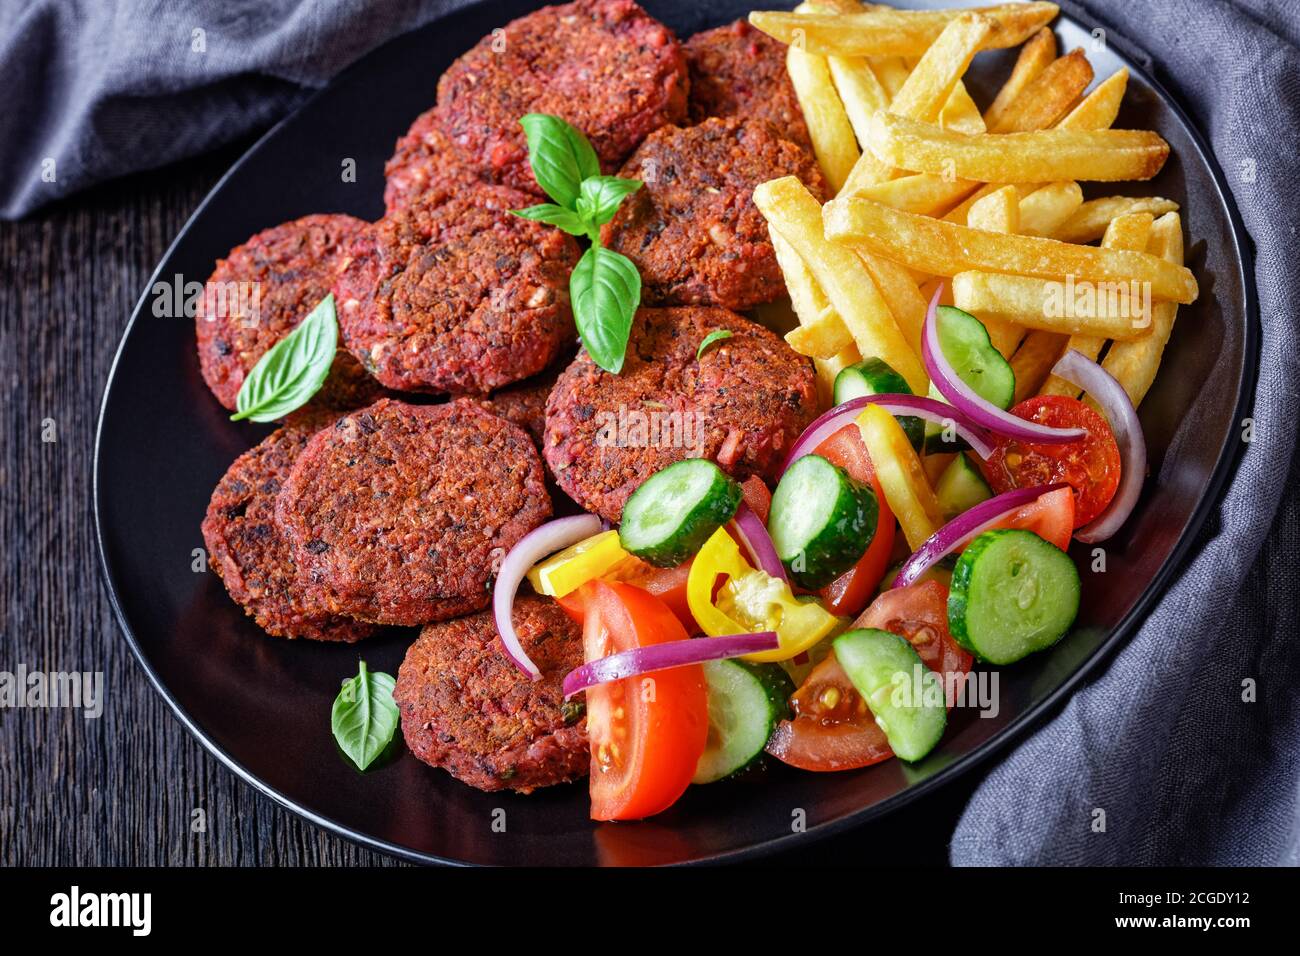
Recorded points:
(1077,369)
(531,548)
(928,408)
(762,552)
(980,411)
(658,657)
(966,526)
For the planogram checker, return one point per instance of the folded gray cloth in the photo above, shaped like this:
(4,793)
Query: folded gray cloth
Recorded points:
(98,88)
(1185,770)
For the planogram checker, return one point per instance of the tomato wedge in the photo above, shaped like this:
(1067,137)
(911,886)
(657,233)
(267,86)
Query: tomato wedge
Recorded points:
(646,733)
(1051,517)
(848,594)
(1090,466)
(919,612)
(832,728)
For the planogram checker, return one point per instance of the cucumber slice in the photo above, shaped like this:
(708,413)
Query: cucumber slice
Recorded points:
(877,377)
(905,696)
(1012,594)
(675,510)
(821,521)
(966,346)
(960,488)
(746,701)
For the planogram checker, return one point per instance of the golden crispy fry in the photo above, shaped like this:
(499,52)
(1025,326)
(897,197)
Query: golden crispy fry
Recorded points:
(814,312)
(882,31)
(1044,210)
(938,72)
(1100,107)
(1039,156)
(859,90)
(824,338)
(1034,360)
(832,136)
(1126,232)
(1088,223)
(1034,58)
(901,295)
(1049,96)
(1135,363)
(960,112)
(1067,307)
(794,213)
(999,211)
(892,71)
(919,192)
(943,248)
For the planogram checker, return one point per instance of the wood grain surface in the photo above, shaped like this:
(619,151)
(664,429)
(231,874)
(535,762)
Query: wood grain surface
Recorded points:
(129,787)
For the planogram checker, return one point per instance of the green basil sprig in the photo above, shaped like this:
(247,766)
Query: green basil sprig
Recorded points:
(364,717)
(717,335)
(293,370)
(605,287)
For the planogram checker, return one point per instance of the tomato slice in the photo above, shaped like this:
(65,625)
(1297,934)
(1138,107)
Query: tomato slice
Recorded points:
(919,612)
(832,728)
(848,594)
(756,494)
(1051,517)
(646,733)
(1090,466)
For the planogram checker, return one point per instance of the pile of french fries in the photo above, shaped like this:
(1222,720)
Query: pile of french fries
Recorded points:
(929,190)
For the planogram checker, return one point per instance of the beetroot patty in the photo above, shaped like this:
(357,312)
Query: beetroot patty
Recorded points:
(454,294)
(249,554)
(425,161)
(742,404)
(693,229)
(401,514)
(262,290)
(606,66)
(467,708)
(739,71)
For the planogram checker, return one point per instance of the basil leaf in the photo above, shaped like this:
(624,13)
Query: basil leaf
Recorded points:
(364,717)
(560,156)
(566,219)
(293,370)
(600,196)
(606,290)
(717,335)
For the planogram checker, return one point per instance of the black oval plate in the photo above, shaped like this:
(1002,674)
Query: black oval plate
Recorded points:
(262,705)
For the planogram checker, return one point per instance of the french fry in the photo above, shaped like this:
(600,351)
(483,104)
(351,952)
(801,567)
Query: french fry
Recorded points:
(1135,363)
(1126,232)
(882,31)
(859,90)
(813,309)
(1049,96)
(960,112)
(834,144)
(1044,210)
(1040,156)
(938,72)
(823,338)
(1100,107)
(937,247)
(794,213)
(901,475)
(1034,360)
(919,193)
(997,212)
(902,296)
(1044,304)
(1033,59)
(1088,223)
(892,72)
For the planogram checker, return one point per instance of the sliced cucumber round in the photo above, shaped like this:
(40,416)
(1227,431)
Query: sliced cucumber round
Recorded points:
(675,510)
(960,488)
(875,376)
(822,521)
(1012,593)
(746,701)
(906,697)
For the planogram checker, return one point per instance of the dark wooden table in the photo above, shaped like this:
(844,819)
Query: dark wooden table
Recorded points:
(124,789)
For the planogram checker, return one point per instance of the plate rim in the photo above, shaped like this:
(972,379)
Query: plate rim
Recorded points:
(1228,457)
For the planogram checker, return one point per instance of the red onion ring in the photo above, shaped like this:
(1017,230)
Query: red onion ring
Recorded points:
(928,408)
(531,548)
(968,525)
(658,657)
(762,552)
(980,411)
(1077,369)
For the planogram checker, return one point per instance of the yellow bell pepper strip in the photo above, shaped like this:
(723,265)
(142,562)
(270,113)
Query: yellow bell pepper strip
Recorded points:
(577,564)
(901,475)
(752,600)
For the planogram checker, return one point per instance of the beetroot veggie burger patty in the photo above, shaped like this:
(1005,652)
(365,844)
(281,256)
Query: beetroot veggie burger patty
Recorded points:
(262,290)
(251,557)
(742,404)
(467,708)
(425,160)
(401,514)
(454,294)
(737,70)
(693,229)
(606,66)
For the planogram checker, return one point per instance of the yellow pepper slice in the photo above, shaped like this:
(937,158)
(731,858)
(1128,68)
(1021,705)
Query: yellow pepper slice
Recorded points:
(901,475)
(577,564)
(752,600)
